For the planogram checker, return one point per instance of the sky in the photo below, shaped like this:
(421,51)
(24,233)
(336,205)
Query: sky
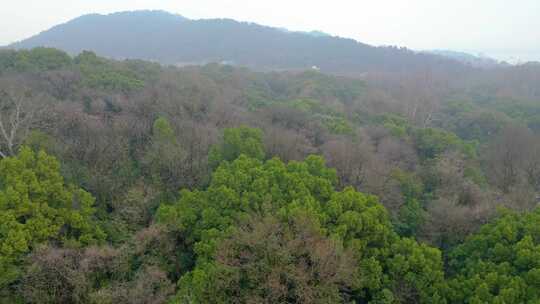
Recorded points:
(504,29)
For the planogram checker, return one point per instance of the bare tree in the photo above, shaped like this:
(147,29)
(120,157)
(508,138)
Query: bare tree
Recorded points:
(287,144)
(17,111)
(507,157)
(352,160)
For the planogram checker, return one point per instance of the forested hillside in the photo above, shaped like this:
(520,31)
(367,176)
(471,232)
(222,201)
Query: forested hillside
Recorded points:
(172,39)
(133,182)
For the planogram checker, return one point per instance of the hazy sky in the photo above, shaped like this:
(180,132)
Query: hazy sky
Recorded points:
(500,28)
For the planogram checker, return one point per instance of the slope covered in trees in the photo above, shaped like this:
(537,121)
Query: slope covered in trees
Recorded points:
(173,39)
(131,182)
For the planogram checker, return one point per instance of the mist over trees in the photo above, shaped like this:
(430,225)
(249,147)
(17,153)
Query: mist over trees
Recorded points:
(132,182)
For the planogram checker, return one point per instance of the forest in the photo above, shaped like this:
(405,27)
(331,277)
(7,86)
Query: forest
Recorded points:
(134,182)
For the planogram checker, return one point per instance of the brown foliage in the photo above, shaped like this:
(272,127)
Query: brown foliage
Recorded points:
(103,274)
(284,263)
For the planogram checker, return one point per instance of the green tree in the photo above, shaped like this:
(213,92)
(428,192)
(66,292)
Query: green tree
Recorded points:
(248,186)
(100,73)
(8,59)
(237,141)
(164,157)
(36,59)
(499,264)
(411,214)
(431,142)
(36,206)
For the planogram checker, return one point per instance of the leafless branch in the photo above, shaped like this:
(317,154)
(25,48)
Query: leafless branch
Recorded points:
(16,117)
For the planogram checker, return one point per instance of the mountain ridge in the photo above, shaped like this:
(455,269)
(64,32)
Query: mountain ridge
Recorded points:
(479,61)
(173,39)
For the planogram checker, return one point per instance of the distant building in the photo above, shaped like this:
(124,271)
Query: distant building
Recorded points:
(227,62)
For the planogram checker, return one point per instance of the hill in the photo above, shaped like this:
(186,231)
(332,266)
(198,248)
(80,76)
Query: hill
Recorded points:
(468,59)
(172,39)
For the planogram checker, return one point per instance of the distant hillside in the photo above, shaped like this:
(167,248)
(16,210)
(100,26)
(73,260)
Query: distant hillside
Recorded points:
(468,59)
(173,39)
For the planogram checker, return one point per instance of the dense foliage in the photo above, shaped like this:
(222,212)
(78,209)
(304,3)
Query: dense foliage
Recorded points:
(131,182)
(500,264)
(38,207)
(384,266)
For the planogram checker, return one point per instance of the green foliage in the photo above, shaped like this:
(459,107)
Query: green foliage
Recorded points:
(331,118)
(237,141)
(458,107)
(411,186)
(37,207)
(415,272)
(34,60)
(311,106)
(260,230)
(162,131)
(475,175)
(107,75)
(318,85)
(42,59)
(38,140)
(8,60)
(411,215)
(337,125)
(431,142)
(523,111)
(143,69)
(499,264)
(88,58)
(472,123)
(397,125)
(248,186)
(108,79)
(97,72)
(395,130)
(163,160)
(257,99)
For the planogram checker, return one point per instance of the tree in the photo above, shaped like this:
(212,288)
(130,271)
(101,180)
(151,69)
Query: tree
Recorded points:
(36,206)
(8,58)
(164,158)
(237,141)
(415,272)
(508,162)
(350,159)
(286,144)
(18,107)
(61,84)
(197,139)
(248,187)
(100,73)
(459,203)
(133,273)
(500,263)
(55,275)
(42,59)
(268,261)
(431,142)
